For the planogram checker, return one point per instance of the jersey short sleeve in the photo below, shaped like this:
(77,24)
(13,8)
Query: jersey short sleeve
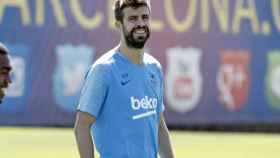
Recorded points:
(94,90)
(161,109)
(158,70)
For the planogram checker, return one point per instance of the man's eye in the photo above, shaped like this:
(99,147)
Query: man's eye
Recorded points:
(4,72)
(145,17)
(132,18)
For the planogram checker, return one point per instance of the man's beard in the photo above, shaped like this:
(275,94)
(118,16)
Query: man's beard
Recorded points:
(3,86)
(138,43)
(2,94)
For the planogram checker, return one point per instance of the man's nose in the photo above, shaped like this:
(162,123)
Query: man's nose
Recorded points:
(140,23)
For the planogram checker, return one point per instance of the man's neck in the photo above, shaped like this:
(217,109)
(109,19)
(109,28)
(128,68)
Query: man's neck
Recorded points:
(135,55)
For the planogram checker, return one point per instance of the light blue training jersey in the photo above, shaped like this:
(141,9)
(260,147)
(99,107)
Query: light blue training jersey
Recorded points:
(127,100)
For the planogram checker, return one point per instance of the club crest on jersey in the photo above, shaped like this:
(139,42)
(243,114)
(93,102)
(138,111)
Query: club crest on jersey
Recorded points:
(153,78)
(184,79)
(233,79)
(72,64)
(273,79)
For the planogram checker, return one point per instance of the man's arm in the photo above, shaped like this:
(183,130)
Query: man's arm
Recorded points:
(82,133)
(165,148)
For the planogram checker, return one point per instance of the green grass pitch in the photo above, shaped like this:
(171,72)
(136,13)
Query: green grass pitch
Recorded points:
(59,143)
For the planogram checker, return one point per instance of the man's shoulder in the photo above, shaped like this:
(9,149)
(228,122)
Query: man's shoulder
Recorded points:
(103,63)
(106,59)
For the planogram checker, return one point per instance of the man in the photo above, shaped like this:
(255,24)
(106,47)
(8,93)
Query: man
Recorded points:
(5,69)
(121,103)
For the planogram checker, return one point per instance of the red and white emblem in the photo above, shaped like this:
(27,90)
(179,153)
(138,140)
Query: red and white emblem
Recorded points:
(233,78)
(183,80)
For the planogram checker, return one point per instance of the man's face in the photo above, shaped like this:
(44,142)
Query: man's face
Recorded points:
(5,78)
(136,26)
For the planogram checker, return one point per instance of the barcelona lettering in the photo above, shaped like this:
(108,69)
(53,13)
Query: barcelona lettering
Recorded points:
(229,17)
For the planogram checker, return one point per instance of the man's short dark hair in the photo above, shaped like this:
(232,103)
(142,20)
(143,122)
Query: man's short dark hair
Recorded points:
(3,50)
(121,4)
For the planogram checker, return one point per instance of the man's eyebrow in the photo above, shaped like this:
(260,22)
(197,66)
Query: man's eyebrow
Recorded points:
(132,15)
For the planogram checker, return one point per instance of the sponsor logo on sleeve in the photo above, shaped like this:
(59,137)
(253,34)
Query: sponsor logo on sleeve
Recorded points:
(233,79)
(184,79)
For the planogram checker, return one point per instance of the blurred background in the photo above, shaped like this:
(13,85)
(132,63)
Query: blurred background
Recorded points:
(221,60)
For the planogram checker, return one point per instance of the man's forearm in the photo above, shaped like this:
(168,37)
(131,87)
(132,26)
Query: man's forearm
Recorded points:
(165,148)
(84,142)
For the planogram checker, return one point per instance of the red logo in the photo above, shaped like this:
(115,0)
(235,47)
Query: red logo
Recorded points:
(183,87)
(233,78)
